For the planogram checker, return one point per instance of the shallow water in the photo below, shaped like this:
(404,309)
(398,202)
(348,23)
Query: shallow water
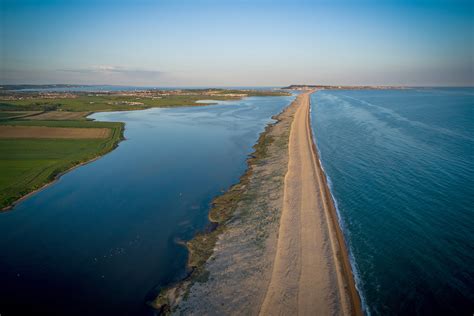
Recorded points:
(105,236)
(401,167)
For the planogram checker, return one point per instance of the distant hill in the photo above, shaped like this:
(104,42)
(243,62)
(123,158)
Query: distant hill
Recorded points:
(328,87)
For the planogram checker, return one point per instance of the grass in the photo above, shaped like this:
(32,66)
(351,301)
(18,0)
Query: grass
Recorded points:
(6,115)
(84,102)
(29,164)
(11,115)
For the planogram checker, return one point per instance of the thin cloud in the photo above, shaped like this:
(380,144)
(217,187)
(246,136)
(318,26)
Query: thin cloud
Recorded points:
(105,69)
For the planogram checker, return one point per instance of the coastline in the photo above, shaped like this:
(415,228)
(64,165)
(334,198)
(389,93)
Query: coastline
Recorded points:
(311,273)
(347,272)
(349,261)
(222,216)
(235,275)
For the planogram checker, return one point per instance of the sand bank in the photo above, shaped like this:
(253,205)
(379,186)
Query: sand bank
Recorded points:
(232,277)
(279,250)
(311,273)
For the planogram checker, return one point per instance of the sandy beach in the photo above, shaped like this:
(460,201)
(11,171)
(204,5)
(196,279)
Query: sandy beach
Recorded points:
(282,253)
(237,273)
(311,273)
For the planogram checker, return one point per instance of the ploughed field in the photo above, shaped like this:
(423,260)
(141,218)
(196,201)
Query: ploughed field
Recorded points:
(52,132)
(58,115)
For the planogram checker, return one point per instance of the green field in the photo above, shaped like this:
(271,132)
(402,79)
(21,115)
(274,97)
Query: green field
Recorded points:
(11,115)
(28,164)
(112,102)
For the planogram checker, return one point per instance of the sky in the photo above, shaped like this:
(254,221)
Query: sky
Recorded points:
(237,43)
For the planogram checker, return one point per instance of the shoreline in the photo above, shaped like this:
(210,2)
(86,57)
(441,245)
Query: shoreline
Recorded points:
(56,177)
(348,273)
(311,272)
(227,209)
(53,181)
(340,226)
(237,274)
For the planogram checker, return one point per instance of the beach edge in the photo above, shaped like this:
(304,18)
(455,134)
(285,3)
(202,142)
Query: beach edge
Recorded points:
(348,274)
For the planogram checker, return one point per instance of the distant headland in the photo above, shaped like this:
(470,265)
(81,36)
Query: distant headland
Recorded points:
(335,87)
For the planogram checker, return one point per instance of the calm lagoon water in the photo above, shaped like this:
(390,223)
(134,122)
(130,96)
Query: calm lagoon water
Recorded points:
(104,238)
(401,167)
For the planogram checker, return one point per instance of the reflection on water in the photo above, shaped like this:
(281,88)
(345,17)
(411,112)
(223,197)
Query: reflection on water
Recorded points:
(104,237)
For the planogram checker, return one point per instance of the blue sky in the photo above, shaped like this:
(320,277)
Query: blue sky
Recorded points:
(237,43)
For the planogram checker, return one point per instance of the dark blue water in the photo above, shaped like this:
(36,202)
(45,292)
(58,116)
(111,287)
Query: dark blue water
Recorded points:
(104,237)
(401,166)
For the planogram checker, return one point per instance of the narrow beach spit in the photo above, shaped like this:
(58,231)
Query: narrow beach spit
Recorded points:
(274,245)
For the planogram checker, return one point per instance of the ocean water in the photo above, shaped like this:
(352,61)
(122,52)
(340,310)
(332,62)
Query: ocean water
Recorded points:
(401,169)
(105,237)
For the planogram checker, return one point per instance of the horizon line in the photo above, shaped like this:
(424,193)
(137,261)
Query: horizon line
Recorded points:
(236,86)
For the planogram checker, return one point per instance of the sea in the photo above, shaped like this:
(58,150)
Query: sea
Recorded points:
(400,164)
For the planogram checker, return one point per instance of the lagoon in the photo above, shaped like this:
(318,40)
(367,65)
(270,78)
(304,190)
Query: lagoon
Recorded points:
(106,236)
